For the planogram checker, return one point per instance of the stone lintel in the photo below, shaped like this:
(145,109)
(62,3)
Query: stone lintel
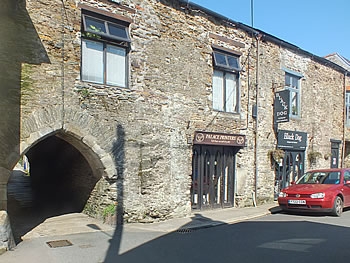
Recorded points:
(227,40)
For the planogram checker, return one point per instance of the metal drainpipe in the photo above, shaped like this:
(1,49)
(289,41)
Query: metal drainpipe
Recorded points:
(256,122)
(344,121)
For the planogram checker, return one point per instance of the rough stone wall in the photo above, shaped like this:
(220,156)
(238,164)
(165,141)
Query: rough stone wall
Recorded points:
(169,97)
(141,132)
(322,104)
(6,239)
(269,73)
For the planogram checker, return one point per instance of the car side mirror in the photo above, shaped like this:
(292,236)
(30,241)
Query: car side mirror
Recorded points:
(293,182)
(347,182)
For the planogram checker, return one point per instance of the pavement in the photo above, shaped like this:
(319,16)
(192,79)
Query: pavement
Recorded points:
(89,240)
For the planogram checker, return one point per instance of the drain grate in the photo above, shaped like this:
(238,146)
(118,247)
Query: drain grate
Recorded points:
(184,230)
(59,243)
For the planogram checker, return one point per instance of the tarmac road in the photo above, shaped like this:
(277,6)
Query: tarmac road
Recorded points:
(86,240)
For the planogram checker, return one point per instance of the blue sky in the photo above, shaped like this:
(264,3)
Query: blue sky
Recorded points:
(320,27)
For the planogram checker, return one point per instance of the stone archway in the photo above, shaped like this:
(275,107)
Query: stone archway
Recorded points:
(66,163)
(63,173)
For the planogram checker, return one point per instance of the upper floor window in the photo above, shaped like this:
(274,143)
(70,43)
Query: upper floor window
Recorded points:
(292,83)
(105,44)
(225,82)
(347,107)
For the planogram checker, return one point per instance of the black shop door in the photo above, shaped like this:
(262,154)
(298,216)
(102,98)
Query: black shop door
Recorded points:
(213,176)
(292,168)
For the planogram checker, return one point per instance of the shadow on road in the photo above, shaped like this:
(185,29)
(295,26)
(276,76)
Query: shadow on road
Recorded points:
(249,241)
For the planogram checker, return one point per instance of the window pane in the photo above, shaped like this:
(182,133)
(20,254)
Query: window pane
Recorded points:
(292,84)
(232,62)
(295,103)
(218,93)
(116,66)
(220,59)
(92,61)
(227,61)
(117,31)
(231,93)
(95,25)
(287,80)
(295,82)
(348,108)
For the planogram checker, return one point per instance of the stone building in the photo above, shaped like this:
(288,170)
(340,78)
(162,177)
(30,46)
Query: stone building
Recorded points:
(340,60)
(159,107)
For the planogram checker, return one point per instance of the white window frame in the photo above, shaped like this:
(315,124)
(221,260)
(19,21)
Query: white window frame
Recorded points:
(292,83)
(225,86)
(105,45)
(347,107)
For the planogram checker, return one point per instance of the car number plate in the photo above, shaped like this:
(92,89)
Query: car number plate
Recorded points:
(297,202)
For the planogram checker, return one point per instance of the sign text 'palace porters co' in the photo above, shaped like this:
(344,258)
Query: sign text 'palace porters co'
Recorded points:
(211,138)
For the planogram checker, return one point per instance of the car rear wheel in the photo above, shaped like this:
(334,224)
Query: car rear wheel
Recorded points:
(337,206)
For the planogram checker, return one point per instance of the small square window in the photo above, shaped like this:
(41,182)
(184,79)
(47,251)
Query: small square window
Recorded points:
(226,61)
(106,28)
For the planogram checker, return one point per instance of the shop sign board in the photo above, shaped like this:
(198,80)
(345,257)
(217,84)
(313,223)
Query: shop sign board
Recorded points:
(281,106)
(211,138)
(295,140)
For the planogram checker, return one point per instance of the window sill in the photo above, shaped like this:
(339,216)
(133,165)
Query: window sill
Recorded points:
(295,118)
(90,83)
(227,114)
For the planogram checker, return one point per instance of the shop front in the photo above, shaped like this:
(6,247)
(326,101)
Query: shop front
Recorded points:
(213,169)
(291,167)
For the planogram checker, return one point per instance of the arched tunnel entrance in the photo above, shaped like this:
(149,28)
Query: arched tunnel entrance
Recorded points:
(59,181)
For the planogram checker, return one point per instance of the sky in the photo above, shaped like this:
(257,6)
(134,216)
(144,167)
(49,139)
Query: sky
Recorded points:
(320,27)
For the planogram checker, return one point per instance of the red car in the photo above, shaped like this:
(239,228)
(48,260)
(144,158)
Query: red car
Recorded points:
(324,190)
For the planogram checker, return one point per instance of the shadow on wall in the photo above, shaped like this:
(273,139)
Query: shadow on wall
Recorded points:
(19,43)
(118,152)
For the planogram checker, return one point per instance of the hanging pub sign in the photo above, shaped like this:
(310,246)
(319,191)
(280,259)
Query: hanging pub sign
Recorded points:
(295,140)
(211,138)
(281,106)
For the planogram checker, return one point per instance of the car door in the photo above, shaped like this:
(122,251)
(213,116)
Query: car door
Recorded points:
(346,188)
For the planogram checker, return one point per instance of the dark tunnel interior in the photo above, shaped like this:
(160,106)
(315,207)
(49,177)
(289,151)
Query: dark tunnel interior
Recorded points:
(59,181)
